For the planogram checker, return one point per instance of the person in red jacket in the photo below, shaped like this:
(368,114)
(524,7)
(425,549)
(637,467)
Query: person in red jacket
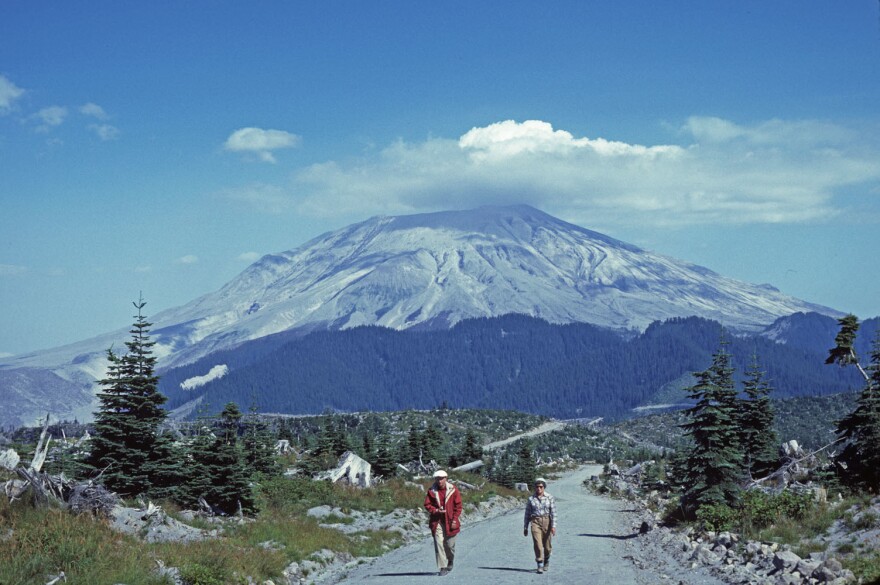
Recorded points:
(443,503)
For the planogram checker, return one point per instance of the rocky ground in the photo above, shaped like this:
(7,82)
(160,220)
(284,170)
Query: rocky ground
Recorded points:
(733,560)
(152,524)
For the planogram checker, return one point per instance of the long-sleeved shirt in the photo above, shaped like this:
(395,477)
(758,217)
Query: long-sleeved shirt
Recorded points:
(544,505)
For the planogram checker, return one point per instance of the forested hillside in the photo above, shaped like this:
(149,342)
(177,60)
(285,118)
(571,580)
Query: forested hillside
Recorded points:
(511,362)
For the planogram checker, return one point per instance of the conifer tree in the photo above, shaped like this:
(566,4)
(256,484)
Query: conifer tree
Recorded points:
(759,440)
(859,461)
(127,421)
(432,443)
(413,447)
(258,445)
(524,468)
(712,466)
(471,450)
(501,472)
(384,464)
(218,472)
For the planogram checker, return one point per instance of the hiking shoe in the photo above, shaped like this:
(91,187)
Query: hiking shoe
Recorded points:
(540,570)
(546,566)
(449,568)
(444,571)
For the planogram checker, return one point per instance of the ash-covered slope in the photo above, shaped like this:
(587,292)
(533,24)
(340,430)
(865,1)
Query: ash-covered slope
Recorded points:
(433,270)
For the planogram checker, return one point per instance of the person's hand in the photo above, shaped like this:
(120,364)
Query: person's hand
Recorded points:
(454,522)
(553,531)
(525,531)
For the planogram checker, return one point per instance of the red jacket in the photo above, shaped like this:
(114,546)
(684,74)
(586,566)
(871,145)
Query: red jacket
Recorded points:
(452,504)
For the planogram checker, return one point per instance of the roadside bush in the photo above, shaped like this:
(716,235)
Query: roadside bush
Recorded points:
(717,517)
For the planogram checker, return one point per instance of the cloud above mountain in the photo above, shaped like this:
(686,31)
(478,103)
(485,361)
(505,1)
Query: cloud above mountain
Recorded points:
(260,142)
(775,171)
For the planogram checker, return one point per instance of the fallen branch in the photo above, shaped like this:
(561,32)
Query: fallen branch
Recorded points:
(786,467)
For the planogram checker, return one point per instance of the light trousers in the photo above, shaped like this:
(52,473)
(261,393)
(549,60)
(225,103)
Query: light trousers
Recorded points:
(541,537)
(444,547)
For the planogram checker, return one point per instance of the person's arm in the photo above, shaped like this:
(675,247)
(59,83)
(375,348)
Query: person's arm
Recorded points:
(527,517)
(456,507)
(553,515)
(429,505)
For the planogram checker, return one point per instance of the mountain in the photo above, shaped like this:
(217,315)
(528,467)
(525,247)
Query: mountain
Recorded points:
(430,271)
(816,332)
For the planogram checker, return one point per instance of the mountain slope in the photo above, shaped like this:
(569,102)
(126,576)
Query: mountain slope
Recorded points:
(510,362)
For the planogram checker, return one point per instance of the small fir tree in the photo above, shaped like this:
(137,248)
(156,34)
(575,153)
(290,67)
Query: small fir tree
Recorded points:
(712,466)
(258,444)
(524,469)
(384,463)
(759,440)
(218,471)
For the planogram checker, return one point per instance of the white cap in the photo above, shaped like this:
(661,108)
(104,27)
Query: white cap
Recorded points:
(542,481)
(439,473)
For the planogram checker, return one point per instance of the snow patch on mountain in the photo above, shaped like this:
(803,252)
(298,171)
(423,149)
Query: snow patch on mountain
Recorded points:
(214,373)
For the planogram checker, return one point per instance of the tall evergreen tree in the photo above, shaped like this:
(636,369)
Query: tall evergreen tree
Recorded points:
(712,466)
(859,461)
(130,412)
(759,440)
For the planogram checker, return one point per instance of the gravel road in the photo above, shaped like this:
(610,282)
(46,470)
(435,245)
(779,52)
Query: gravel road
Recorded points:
(595,543)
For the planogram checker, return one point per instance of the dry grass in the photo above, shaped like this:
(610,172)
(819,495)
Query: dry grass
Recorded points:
(44,542)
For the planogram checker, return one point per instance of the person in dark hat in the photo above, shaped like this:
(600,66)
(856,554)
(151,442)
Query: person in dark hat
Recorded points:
(541,516)
(443,503)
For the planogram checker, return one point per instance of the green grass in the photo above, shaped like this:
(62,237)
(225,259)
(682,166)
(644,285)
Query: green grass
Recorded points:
(866,568)
(46,541)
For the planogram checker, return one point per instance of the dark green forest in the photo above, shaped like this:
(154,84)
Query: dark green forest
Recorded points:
(511,362)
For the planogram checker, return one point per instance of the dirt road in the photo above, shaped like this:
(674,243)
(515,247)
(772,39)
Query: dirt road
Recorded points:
(593,545)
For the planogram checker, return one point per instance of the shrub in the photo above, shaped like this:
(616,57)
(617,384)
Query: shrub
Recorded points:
(866,568)
(197,574)
(717,517)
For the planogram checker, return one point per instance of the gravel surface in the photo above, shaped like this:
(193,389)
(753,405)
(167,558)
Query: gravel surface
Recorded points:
(597,542)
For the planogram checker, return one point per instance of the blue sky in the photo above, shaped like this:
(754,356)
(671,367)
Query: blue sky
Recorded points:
(161,147)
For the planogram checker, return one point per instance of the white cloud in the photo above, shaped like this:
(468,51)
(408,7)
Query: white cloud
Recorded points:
(9,93)
(105,132)
(93,110)
(774,171)
(188,259)
(50,117)
(509,138)
(249,256)
(260,142)
(11,269)
(5,354)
